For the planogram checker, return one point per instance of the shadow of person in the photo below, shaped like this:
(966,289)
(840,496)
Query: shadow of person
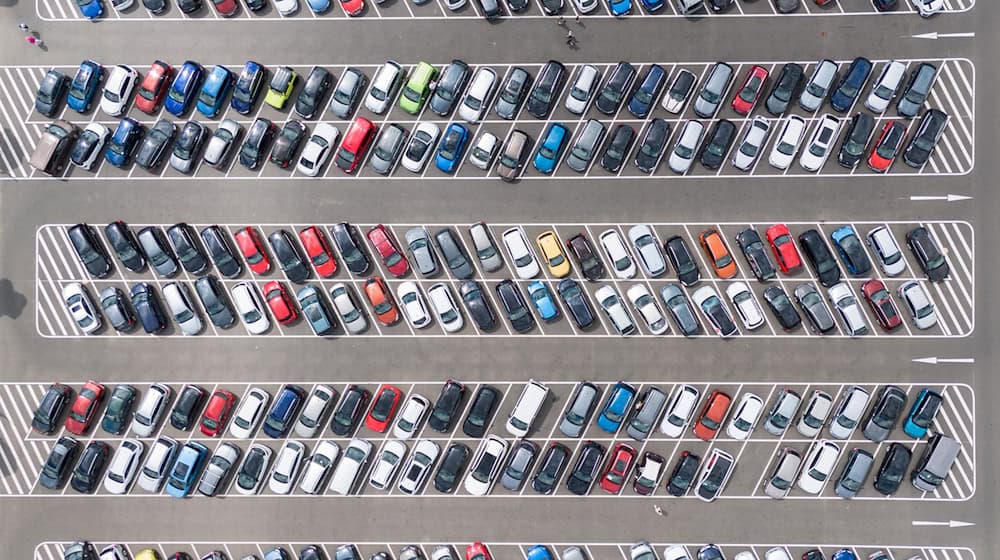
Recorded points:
(12,302)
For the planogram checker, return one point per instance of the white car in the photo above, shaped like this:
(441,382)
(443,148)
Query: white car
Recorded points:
(124,466)
(179,303)
(253,469)
(927,8)
(249,413)
(118,90)
(97,134)
(384,86)
(410,417)
(249,305)
(847,306)
(286,467)
(787,145)
(477,96)
(679,412)
(918,303)
(746,305)
(81,307)
(778,482)
(613,306)
(217,469)
(648,472)
(748,412)
(221,143)
(286,7)
(317,403)
(418,467)
(647,248)
(646,305)
(585,6)
(686,148)
(641,550)
(353,460)
(777,553)
(484,150)
(445,308)
(318,466)
(151,408)
(388,462)
(114,552)
(158,462)
(885,87)
(350,314)
(676,552)
(886,251)
(745,555)
(814,414)
(818,466)
(752,145)
(413,305)
(582,89)
(614,249)
(317,149)
(420,147)
(486,465)
(821,144)
(520,253)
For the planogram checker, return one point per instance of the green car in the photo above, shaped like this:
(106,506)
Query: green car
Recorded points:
(418,88)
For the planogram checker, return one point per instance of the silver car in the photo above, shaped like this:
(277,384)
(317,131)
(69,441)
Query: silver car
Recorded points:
(486,250)
(752,145)
(648,250)
(818,85)
(519,466)
(423,255)
(713,89)
(785,471)
(221,143)
(578,412)
(645,413)
(782,412)
(686,148)
(387,148)
(218,468)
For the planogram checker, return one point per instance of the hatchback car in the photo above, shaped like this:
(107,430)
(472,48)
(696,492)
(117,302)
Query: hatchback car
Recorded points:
(49,411)
(778,484)
(785,88)
(118,90)
(930,258)
(255,145)
(287,142)
(652,145)
(714,476)
(780,240)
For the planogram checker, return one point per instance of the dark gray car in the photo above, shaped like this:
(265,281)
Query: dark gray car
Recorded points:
(154,145)
(680,309)
(512,93)
(478,306)
(387,148)
(449,86)
(713,89)
(213,299)
(916,91)
(582,152)
(579,410)
(454,255)
(519,465)
(420,247)
(852,478)
(157,251)
(888,408)
(348,91)
(812,305)
(645,413)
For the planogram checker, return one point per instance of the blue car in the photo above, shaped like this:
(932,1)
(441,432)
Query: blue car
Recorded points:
(652,5)
(550,149)
(851,84)
(922,413)
(844,554)
(539,552)
(542,298)
(649,89)
(213,93)
(616,407)
(452,145)
(123,142)
(283,411)
(91,9)
(247,87)
(83,89)
(620,7)
(184,473)
(318,6)
(183,89)
(851,252)
(147,308)
(315,310)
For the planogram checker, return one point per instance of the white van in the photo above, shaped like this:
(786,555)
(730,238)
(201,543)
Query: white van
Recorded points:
(528,404)
(352,462)
(849,412)
(476,99)
(383,90)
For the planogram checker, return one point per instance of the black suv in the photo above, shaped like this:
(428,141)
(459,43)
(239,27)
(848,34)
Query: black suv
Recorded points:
(682,260)
(820,257)
(255,145)
(50,410)
(313,91)
(586,469)
(852,147)
(287,253)
(349,410)
(221,250)
(483,405)
(928,255)
(515,306)
(89,250)
(610,97)
(455,459)
(545,93)
(346,240)
(785,88)
(929,131)
(185,411)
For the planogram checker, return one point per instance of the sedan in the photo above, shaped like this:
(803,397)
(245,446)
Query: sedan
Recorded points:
(788,142)
(749,149)
(918,303)
(350,314)
(746,305)
(81,307)
(645,304)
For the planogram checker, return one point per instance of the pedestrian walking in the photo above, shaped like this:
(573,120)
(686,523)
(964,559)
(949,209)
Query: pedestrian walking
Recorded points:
(577,18)
(657,509)
(31,39)
(561,21)
(23,27)
(569,35)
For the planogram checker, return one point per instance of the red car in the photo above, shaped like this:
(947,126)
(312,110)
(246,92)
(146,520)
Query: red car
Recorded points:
(386,246)
(253,250)
(319,252)
(882,305)
(153,87)
(477,551)
(84,407)
(226,8)
(220,404)
(784,249)
(619,465)
(887,146)
(383,408)
(281,305)
(353,7)
(749,93)
(354,145)
(380,298)
(712,415)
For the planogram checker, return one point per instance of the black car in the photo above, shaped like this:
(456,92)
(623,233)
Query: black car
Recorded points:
(680,89)
(610,96)
(720,5)
(478,306)
(83,148)
(185,410)
(183,240)
(255,145)
(820,257)
(451,467)
(929,131)
(154,145)
(446,406)
(155,6)
(553,7)
(313,90)
(682,260)
(645,96)
(449,87)
(882,417)
(550,468)
(652,145)
(58,465)
(685,469)
(50,93)
(815,553)
(287,143)
(118,412)
(454,255)
(87,473)
(852,147)
(213,298)
(518,5)
(753,249)
(586,469)
(483,405)
(89,250)
(147,307)
(545,92)
(782,307)
(618,147)
(50,409)
(893,468)
(576,303)
(286,251)
(785,88)
(349,410)
(352,251)
(927,253)
(123,241)
(512,93)
(189,6)
(581,249)
(515,306)
(717,143)
(221,250)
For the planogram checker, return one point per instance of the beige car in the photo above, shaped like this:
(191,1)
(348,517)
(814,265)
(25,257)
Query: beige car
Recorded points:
(53,147)
(512,158)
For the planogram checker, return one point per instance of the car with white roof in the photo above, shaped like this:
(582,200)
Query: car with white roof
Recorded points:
(349,311)
(286,467)
(418,467)
(218,468)
(179,303)
(314,410)
(820,144)
(390,458)
(818,466)
(410,417)
(679,412)
(484,150)
(81,307)
(814,414)
(351,463)
(918,303)
(616,252)
(886,251)
(646,247)
(413,305)
(646,305)
(444,306)
(420,147)
(525,264)
(158,462)
(249,414)
(789,140)
(847,306)
(318,466)
(118,90)
(686,148)
(613,306)
(123,467)
(248,304)
(486,465)
(779,482)
(746,305)
(749,149)
(317,149)
(748,412)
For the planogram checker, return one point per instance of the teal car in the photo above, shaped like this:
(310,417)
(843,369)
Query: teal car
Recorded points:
(213,93)
(922,413)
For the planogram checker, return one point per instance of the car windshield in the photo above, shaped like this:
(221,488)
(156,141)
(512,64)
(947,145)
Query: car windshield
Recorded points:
(817,149)
(643,96)
(849,90)
(710,96)
(749,149)
(883,92)
(379,94)
(473,103)
(579,94)
(485,467)
(887,148)
(817,474)
(111,96)
(547,152)
(780,483)
(683,151)
(176,95)
(580,152)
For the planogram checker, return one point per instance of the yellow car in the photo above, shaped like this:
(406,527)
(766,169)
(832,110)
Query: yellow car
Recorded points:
(553,254)
(281,86)
(147,554)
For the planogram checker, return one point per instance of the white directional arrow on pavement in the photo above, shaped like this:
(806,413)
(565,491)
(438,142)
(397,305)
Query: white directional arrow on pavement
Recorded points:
(951,524)
(944,197)
(934,360)
(935,35)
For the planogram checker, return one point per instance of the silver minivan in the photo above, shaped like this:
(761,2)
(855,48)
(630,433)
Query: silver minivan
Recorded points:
(936,462)
(645,413)
(818,85)
(579,409)
(581,153)
(713,90)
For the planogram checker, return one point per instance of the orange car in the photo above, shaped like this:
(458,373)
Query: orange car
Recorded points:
(379,297)
(712,416)
(718,253)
